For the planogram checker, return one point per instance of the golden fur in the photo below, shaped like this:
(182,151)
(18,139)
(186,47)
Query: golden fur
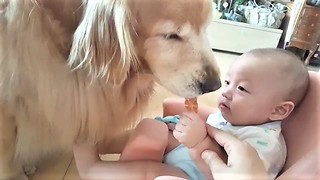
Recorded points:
(84,69)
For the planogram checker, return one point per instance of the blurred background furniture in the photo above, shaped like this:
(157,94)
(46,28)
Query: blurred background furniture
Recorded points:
(240,37)
(305,28)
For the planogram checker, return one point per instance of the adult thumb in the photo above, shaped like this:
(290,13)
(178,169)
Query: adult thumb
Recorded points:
(213,161)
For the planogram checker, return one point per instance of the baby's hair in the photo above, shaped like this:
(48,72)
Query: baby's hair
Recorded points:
(294,71)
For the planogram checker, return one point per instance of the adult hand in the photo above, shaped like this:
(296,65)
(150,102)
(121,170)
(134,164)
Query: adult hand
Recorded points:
(243,160)
(190,130)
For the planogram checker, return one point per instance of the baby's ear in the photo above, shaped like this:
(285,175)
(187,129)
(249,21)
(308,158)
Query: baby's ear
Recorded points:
(282,111)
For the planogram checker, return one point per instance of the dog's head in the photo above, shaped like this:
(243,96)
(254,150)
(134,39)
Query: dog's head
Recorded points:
(166,38)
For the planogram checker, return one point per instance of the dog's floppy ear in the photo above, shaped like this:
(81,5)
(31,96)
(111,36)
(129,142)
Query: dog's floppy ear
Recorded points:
(102,43)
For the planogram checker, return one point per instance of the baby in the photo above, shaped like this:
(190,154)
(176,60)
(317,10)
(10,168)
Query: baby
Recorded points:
(262,88)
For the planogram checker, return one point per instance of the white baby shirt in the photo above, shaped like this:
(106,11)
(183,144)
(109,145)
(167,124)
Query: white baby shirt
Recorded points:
(265,138)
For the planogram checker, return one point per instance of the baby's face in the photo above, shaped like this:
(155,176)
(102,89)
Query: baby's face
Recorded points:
(250,92)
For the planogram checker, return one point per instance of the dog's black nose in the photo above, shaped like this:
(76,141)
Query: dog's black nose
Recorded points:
(211,84)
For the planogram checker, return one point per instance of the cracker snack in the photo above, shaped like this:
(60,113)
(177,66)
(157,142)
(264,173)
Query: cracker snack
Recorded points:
(191,104)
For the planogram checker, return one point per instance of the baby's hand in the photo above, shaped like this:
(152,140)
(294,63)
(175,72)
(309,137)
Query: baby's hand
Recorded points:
(190,130)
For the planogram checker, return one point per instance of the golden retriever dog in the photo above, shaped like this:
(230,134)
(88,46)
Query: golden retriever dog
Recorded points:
(83,70)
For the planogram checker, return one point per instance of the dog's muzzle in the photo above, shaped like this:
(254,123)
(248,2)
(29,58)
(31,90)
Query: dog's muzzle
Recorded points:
(210,80)
(210,84)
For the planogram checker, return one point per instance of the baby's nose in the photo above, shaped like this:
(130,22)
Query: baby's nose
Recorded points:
(226,93)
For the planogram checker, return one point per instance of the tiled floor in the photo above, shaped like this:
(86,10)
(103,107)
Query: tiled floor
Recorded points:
(64,168)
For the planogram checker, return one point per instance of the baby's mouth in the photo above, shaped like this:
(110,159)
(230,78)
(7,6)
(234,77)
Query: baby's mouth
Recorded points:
(223,106)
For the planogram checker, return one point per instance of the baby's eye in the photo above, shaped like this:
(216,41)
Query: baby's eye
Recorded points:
(242,89)
(226,82)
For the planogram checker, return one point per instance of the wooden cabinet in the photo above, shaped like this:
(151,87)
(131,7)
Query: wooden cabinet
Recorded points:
(306,30)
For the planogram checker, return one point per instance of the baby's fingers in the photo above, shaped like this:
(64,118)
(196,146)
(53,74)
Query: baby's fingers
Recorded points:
(180,127)
(171,126)
(179,136)
(191,117)
(184,120)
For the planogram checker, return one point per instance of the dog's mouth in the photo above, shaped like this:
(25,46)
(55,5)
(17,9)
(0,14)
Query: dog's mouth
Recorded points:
(208,80)
(196,87)
(202,87)
(190,87)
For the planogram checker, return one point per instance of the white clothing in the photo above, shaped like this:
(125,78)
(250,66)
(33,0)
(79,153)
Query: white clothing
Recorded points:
(266,139)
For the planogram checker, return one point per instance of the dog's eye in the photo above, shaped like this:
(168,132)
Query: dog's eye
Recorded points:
(172,36)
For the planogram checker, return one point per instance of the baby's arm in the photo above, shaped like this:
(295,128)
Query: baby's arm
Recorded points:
(192,132)
(115,145)
(90,166)
(207,144)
